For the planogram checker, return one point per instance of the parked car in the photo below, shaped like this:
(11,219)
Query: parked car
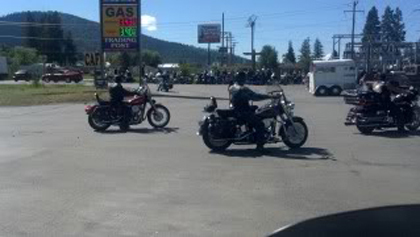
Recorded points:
(65,75)
(22,75)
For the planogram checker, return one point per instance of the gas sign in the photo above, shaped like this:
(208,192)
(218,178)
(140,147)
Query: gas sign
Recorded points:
(120,25)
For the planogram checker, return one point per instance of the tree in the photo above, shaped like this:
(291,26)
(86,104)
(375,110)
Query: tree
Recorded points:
(31,31)
(151,58)
(372,29)
(305,59)
(318,50)
(290,56)
(70,50)
(55,35)
(21,56)
(399,26)
(387,28)
(125,60)
(268,57)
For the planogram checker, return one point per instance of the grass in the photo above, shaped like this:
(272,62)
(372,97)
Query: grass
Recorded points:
(25,95)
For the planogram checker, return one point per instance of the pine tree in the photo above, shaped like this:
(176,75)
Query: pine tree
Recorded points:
(372,29)
(268,57)
(31,31)
(318,50)
(290,56)
(70,50)
(387,25)
(56,36)
(399,26)
(305,55)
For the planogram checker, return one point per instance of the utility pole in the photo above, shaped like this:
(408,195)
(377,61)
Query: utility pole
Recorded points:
(354,11)
(233,51)
(223,39)
(251,23)
(140,45)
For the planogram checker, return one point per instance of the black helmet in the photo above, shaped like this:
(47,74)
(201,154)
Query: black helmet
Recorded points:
(241,78)
(118,79)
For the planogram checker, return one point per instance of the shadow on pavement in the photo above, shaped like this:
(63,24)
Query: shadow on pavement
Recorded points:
(143,131)
(393,134)
(305,153)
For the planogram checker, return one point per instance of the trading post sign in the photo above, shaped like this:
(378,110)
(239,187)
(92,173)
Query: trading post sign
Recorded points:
(120,25)
(209,33)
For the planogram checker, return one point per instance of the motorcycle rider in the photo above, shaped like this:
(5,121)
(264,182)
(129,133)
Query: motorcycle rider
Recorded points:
(117,94)
(388,88)
(240,98)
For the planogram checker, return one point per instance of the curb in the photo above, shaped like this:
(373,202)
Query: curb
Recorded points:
(187,97)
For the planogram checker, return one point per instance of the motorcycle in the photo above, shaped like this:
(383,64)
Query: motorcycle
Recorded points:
(103,115)
(369,114)
(221,128)
(165,86)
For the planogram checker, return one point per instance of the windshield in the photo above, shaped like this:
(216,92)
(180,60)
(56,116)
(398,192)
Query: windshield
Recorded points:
(211,118)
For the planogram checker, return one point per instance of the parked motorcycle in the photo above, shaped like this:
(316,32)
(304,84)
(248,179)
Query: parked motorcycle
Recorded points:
(102,115)
(369,114)
(221,128)
(165,86)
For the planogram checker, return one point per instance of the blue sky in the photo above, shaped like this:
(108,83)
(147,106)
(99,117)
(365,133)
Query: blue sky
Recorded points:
(279,20)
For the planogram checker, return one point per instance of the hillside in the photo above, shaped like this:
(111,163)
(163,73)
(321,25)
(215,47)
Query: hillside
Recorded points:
(87,38)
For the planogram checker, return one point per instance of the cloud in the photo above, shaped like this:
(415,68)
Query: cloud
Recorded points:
(149,22)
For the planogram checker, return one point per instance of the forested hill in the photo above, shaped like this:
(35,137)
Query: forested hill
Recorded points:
(86,36)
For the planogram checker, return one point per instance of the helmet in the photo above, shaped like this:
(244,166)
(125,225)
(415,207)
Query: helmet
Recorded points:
(241,78)
(118,79)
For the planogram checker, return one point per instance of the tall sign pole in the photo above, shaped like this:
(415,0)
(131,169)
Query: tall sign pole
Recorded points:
(101,51)
(251,23)
(209,34)
(120,27)
(140,55)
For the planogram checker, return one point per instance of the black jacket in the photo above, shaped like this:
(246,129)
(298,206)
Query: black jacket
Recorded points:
(118,93)
(242,95)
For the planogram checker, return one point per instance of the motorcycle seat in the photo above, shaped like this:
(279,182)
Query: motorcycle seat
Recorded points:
(226,113)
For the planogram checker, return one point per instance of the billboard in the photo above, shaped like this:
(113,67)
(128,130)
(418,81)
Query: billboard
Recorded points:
(120,25)
(209,33)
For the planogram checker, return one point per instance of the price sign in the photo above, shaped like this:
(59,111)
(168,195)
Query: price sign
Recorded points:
(120,25)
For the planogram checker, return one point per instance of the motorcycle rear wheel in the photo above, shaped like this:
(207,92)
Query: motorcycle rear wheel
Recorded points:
(97,125)
(217,146)
(365,130)
(415,124)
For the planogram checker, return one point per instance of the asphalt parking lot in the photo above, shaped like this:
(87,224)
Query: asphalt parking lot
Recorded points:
(59,178)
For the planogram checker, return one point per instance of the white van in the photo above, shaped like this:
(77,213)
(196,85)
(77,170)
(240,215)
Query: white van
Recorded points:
(332,77)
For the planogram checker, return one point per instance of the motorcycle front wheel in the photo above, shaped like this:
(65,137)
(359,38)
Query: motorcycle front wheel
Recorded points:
(158,116)
(96,123)
(295,138)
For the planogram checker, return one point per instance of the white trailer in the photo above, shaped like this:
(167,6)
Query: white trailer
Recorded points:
(332,77)
(3,68)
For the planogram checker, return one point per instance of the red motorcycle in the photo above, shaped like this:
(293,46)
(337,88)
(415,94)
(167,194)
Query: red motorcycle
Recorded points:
(103,115)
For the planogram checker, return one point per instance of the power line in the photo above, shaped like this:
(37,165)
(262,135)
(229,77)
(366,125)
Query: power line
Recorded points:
(45,39)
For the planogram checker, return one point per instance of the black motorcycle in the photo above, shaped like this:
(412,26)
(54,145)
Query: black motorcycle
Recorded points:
(222,128)
(370,114)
